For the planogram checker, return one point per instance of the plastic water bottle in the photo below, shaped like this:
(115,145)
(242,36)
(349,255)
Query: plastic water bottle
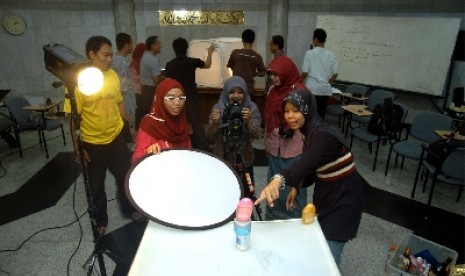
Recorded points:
(243,223)
(242,229)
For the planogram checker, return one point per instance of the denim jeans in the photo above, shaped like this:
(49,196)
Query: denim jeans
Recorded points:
(336,250)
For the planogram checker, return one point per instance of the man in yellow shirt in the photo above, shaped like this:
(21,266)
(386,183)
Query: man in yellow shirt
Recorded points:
(101,125)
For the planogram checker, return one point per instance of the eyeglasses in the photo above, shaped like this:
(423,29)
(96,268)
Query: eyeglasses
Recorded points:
(178,98)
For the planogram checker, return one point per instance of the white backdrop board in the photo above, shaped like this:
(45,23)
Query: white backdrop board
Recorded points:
(411,54)
(218,73)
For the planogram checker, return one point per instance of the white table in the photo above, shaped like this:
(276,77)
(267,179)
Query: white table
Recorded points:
(276,248)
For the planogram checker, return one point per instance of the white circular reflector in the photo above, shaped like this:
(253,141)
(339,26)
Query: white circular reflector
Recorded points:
(185,189)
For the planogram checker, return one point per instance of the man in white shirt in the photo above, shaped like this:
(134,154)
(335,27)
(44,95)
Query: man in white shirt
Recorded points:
(319,69)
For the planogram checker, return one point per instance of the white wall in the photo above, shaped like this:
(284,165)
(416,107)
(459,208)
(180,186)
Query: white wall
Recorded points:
(72,22)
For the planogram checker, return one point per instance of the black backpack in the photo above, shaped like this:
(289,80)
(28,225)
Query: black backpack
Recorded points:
(386,119)
(439,150)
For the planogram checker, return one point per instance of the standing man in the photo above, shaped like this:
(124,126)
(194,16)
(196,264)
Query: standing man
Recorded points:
(150,77)
(319,69)
(104,147)
(276,48)
(182,68)
(245,62)
(277,45)
(124,46)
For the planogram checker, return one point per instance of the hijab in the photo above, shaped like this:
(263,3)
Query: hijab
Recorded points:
(229,85)
(306,103)
(160,124)
(136,56)
(289,76)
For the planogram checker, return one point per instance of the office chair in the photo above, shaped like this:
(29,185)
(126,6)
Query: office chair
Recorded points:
(24,120)
(450,172)
(362,134)
(422,130)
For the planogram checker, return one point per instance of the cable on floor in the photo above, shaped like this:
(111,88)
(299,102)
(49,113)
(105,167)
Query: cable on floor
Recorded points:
(81,233)
(76,216)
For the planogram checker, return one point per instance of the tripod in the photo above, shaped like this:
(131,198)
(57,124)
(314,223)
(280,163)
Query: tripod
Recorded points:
(98,249)
(234,143)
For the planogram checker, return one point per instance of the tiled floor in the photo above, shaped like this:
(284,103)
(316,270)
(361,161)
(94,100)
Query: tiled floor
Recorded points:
(49,252)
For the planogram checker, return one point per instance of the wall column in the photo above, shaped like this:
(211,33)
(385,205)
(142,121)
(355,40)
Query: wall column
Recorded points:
(125,20)
(278,11)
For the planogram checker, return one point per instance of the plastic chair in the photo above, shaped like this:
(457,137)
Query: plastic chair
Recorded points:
(422,130)
(376,97)
(362,134)
(451,172)
(5,125)
(5,122)
(24,120)
(336,109)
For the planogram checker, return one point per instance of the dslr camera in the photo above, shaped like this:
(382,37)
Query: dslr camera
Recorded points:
(232,120)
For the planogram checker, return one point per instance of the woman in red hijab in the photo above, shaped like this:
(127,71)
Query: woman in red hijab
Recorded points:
(166,125)
(282,145)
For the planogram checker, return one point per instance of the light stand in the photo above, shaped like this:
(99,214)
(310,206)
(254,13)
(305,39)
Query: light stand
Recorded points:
(98,250)
(66,64)
(233,142)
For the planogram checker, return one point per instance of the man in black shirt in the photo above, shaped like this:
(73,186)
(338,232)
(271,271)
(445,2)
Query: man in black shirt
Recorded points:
(182,68)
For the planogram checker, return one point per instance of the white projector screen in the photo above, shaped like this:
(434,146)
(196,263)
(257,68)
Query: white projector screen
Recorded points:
(411,54)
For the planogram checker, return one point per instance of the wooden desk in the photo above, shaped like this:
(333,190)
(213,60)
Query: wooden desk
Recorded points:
(352,97)
(460,109)
(357,109)
(444,134)
(208,96)
(353,109)
(42,109)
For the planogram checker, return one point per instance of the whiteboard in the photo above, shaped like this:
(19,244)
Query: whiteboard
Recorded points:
(411,54)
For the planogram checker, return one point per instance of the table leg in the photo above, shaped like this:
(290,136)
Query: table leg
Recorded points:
(348,125)
(344,121)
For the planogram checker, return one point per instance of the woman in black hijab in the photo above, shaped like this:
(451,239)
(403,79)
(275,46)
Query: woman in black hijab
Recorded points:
(327,162)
